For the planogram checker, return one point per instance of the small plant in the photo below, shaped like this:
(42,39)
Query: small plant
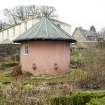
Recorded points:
(16,71)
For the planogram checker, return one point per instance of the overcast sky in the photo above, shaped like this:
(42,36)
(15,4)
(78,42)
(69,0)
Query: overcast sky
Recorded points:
(75,12)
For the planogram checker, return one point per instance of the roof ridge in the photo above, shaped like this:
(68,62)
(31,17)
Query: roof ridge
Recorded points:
(46,27)
(38,27)
(67,34)
(52,25)
(82,29)
(57,20)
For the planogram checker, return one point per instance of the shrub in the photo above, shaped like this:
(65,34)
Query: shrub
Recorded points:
(80,98)
(74,99)
(16,71)
(94,63)
(97,101)
(61,101)
(92,81)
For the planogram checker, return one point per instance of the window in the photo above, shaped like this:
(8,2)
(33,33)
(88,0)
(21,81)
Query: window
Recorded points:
(25,50)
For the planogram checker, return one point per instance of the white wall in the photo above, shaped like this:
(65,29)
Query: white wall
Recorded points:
(11,33)
(7,36)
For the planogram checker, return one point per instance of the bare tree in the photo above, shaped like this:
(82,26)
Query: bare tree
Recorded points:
(31,11)
(101,38)
(21,13)
(11,17)
(1,25)
(47,11)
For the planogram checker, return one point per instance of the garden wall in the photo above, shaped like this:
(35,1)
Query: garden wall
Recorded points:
(9,53)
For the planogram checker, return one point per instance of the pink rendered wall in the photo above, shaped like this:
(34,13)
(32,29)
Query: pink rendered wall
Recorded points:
(47,57)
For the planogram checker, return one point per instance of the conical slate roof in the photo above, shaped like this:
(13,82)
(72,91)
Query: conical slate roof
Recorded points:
(44,30)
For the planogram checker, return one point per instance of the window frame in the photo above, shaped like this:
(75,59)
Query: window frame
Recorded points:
(25,50)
